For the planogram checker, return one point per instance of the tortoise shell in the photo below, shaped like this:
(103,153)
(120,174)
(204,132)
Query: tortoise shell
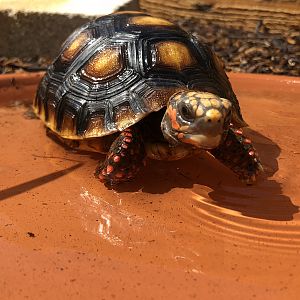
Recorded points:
(114,71)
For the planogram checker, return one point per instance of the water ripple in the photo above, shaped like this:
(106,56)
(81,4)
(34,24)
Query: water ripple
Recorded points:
(246,230)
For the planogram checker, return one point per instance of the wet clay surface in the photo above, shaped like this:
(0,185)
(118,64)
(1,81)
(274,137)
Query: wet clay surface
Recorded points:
(186,229)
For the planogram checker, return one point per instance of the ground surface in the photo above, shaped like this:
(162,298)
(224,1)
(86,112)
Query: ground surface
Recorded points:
(182,230)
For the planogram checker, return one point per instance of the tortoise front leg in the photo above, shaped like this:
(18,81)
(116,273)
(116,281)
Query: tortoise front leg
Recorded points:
(124,159)
(238,153)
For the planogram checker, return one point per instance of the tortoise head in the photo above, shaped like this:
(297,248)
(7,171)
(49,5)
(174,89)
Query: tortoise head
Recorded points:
(198,118)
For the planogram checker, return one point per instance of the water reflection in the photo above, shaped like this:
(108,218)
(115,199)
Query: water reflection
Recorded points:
(122,228)
(113,224)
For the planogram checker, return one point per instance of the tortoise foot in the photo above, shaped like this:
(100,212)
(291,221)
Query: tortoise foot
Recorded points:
(238,153)
(124,159)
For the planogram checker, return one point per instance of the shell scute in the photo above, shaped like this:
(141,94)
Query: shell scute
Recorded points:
(75,45)
(104,64)
(174,54)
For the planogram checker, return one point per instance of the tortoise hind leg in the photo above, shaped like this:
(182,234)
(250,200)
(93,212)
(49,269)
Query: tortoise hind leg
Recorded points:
(238,153)
(124,159)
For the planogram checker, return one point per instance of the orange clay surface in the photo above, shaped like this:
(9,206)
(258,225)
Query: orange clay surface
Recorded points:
(181,230)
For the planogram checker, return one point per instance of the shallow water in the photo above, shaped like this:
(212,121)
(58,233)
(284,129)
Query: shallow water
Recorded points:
(181,230)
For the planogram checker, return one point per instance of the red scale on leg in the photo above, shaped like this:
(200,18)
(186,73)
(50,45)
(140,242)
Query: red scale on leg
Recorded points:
(251,153)
(109,169)
(120,175)
(117,158)
(101,177)
(120,165)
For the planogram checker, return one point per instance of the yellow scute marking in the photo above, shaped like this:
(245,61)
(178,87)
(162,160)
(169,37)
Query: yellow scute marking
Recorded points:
(75,46)
(124,116)
(68,126)
(147,20)
(174,55)
(95,127)
(51,122)
(124,12)
(104,64)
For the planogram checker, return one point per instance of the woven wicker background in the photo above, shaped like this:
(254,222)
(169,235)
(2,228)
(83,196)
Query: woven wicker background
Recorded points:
(276,15)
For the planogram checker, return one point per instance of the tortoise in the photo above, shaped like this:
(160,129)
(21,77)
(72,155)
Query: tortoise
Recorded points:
(134,86)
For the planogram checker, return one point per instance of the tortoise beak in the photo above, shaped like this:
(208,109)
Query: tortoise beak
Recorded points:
(201,141)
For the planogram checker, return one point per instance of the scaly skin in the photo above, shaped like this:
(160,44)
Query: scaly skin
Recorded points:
(238,153)
(127,155)
(124,159)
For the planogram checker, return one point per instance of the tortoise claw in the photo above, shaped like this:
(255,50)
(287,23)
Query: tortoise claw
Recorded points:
(260,168)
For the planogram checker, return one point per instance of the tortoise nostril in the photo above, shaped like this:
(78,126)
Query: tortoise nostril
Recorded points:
(213,116)
(214,120)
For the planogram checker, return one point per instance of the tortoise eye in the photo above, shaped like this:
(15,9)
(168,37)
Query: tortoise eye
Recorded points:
(186,111)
